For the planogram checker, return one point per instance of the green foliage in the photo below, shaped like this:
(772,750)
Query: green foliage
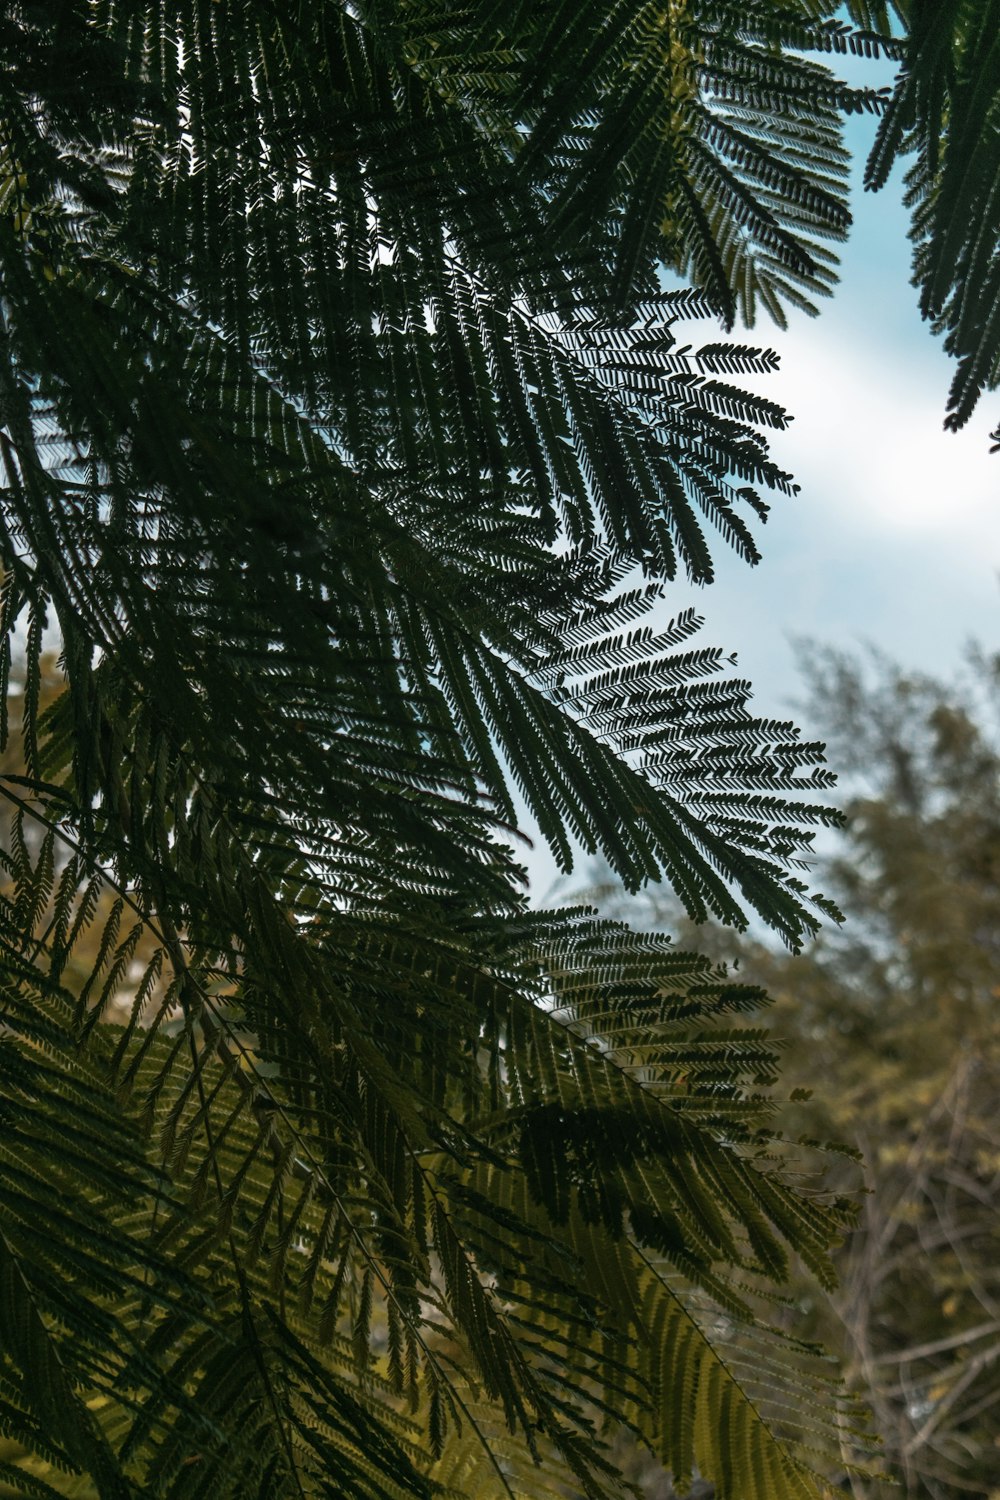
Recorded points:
(378,1197)
(347,445)
(944,111)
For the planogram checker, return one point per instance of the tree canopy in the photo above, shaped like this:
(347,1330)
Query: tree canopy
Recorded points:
(348,447)
(902,1006)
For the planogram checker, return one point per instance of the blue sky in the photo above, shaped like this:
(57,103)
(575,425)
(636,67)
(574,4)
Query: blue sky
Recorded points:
(895,536)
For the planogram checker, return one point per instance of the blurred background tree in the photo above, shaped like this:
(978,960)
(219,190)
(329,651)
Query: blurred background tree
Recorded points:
(896,1013)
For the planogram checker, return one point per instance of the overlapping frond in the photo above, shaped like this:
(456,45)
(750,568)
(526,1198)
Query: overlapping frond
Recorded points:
(295,557)
(660,137)
(352,1189)
(347,446)
(944,111)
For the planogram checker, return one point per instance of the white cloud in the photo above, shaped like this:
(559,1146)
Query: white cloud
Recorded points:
(868,440)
